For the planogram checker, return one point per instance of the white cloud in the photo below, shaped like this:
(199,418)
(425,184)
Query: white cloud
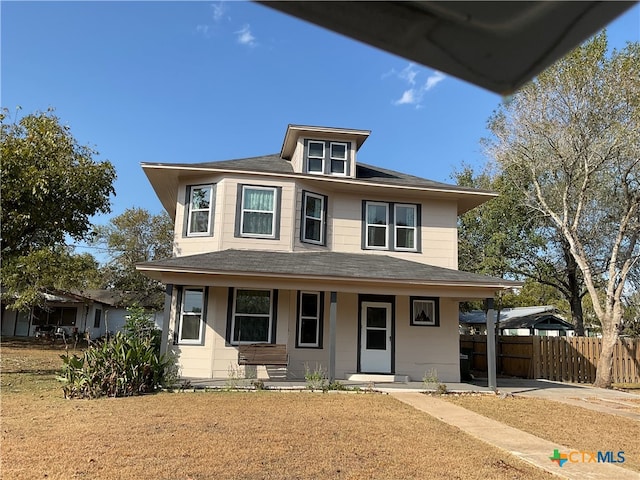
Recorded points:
(217,11)
(410,75)
(245,37)
(203,30)
(433,80)
(408,97)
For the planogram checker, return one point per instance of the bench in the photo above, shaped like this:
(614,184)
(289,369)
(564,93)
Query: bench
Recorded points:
(263,354)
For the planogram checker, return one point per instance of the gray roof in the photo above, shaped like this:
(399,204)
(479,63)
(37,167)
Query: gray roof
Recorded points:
(542,317)
(276,164)
(321,264)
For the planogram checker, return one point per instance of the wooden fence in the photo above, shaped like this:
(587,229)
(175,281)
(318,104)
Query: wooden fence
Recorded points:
(568,359)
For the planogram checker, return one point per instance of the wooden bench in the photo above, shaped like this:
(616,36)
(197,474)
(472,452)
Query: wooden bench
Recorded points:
(263,354)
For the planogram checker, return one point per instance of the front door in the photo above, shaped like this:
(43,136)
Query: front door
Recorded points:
(375,337)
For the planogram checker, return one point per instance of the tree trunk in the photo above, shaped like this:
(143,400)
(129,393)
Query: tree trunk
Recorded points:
(604,371)
(575,288)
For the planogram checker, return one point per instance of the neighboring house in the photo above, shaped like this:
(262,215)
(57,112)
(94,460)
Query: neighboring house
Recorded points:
(539,320)
(352,267)
(92,311)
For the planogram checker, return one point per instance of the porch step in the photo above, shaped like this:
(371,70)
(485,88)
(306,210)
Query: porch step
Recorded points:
(377,377)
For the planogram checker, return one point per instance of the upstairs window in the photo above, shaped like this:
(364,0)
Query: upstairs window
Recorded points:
(258,211)
(313,218)
(315,157)
(391,226)
(405,226)
(377,225)
(327,158)
(200,210)
(338,158)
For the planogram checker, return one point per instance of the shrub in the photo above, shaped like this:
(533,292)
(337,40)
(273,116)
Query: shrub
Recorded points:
(123,365)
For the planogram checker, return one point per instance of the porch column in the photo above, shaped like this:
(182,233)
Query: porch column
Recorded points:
(491,344)
(166,316)
(333,311)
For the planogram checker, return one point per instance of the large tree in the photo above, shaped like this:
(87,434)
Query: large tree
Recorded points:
(132,237)
(573,136)
(505,237)
(51,185)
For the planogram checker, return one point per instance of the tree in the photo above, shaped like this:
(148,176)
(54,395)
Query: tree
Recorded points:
(26,277)
(505,237)
(51,185)
(573,137)
(135,236)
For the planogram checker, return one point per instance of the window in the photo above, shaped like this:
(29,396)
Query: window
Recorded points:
(425,311)
(200,208)
(339,158)
(252,318)
(309,331)
(377,218)
(258,213)
(315,157)
(405,225)
(313,218)
(329,158)
(391,226)
(191,316)
(96,318)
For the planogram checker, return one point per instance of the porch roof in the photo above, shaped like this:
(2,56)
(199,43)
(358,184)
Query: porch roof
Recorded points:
(336,266)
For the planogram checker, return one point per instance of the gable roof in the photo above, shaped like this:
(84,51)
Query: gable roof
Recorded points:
(351,267)
(164,177)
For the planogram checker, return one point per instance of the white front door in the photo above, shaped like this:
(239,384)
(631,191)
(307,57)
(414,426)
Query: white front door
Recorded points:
(375,337)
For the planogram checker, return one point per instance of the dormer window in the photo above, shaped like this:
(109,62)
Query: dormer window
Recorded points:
(338,158)
(315,157)
(327,158)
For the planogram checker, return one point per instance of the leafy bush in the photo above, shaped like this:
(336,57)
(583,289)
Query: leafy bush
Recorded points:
(123,365)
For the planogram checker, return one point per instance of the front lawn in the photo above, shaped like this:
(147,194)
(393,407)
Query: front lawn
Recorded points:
(575,427)
(234,435)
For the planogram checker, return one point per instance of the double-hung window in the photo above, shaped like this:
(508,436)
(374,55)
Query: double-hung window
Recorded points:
(252,318)
(309,332)
(191,322)
(200,210)
(405,227)
(391,226)
(338,158)
(327,158)
(377,225)
(315,157)
(258,211)
(313,218)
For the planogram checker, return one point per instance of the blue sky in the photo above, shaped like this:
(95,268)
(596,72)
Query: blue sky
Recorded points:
(202,81)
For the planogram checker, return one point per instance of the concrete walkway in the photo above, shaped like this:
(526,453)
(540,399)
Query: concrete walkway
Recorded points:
(516,442)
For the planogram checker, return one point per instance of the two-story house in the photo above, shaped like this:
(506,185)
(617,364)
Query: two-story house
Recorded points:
(351,266)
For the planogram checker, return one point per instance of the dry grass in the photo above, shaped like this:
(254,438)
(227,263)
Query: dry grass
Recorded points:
(575,427)
(222,435)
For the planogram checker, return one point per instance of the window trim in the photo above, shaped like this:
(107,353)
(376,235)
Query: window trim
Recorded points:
(414,228)
(203,319)
(319,320)
(308,157)
(386,245)
(189,210)
(435,322)
(323,219)
(391,227)
(345,159)
(231,316)
(277,195)
(97,318)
